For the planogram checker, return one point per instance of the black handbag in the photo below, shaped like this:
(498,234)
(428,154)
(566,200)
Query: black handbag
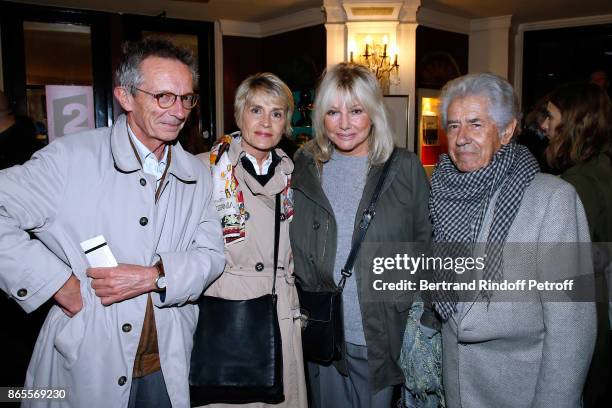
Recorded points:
(237,353)
(323,324)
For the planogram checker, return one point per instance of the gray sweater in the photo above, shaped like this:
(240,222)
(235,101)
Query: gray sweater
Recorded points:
(343,180)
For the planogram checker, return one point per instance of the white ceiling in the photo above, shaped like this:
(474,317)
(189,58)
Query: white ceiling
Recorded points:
(240,10)
(261,10)
(521,10)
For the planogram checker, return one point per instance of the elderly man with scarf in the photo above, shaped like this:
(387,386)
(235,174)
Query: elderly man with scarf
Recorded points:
(527,352)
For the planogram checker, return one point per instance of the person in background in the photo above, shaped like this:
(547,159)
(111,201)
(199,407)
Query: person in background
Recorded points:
(245,198)
(17,136)
(117,336)
(17,144)
(335,176)
(580,134)
(532,352)
(533,136)
(599,77)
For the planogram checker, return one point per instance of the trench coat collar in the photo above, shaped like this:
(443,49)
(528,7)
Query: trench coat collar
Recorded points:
(236,151)
(275,185)
(126,161)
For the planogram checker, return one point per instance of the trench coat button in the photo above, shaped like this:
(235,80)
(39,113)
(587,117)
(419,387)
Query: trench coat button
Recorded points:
(315,225)
(122,380)
(259,266)
(143,182)
(22,292)
(126,328)
(144,221)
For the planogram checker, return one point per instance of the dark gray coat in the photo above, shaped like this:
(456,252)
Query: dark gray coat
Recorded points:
(401,216)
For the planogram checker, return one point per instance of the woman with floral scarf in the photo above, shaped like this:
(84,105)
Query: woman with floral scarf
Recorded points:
(248,173)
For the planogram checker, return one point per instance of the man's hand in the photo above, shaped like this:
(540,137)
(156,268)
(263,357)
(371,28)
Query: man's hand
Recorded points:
(122,282)
(69,298)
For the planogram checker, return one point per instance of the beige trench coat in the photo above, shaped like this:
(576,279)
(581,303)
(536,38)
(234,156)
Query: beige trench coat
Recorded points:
(240,280)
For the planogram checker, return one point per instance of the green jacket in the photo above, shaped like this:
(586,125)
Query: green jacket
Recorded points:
(593,183)
(401,216)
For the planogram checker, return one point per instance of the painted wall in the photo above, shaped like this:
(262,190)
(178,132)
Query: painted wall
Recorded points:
(242,57)
(297,62)
(297,57)
(489,51)
(440,56)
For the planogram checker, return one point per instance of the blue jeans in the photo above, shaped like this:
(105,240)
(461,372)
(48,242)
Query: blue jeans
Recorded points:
(149,392)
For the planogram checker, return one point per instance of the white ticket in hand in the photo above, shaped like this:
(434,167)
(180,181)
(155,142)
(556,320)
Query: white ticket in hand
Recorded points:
(98,252)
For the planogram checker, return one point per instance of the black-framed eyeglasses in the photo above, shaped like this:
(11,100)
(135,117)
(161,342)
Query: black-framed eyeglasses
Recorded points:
(166,99)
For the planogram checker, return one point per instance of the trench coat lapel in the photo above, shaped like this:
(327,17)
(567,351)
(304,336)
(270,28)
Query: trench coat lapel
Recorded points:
(178,165)
(121,149)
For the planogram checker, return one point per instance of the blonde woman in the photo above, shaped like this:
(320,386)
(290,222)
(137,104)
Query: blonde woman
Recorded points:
(333,182)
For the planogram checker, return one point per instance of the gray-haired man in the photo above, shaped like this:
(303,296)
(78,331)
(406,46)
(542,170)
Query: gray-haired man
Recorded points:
(488,189)
(118,335)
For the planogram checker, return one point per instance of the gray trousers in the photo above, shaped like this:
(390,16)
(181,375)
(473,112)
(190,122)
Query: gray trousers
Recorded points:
(149,392)
(330,389)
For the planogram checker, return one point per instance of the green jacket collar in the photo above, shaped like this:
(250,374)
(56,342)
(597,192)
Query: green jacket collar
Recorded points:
(308,180)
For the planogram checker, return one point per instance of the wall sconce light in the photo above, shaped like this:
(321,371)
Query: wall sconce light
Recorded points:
(377,58)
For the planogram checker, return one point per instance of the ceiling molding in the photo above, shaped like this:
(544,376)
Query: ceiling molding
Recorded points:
(409,10)
(491,23)
(566,22)
(372,11)
(305,18)
(443,21)
(335,27)
(56,27)
(334,12)
(240,28)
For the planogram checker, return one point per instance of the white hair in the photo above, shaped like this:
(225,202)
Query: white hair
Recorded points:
(503,102)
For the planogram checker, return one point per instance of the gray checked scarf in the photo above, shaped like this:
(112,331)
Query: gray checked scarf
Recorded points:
(458,204)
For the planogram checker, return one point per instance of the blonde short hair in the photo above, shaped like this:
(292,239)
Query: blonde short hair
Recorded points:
(269,84)
(352,83)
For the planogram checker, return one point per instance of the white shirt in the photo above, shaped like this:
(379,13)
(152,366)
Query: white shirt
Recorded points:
(265,165)
(150,164)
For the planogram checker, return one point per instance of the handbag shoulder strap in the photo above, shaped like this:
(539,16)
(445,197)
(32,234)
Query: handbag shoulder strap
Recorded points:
(277,217)
(366,219)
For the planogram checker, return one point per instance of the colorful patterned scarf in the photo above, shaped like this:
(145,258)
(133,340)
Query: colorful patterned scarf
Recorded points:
(227,195)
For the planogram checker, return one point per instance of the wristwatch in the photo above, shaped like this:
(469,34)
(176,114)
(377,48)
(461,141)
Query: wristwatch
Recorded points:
(160,281)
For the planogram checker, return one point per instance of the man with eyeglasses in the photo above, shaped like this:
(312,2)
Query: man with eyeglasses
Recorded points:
(119,335)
